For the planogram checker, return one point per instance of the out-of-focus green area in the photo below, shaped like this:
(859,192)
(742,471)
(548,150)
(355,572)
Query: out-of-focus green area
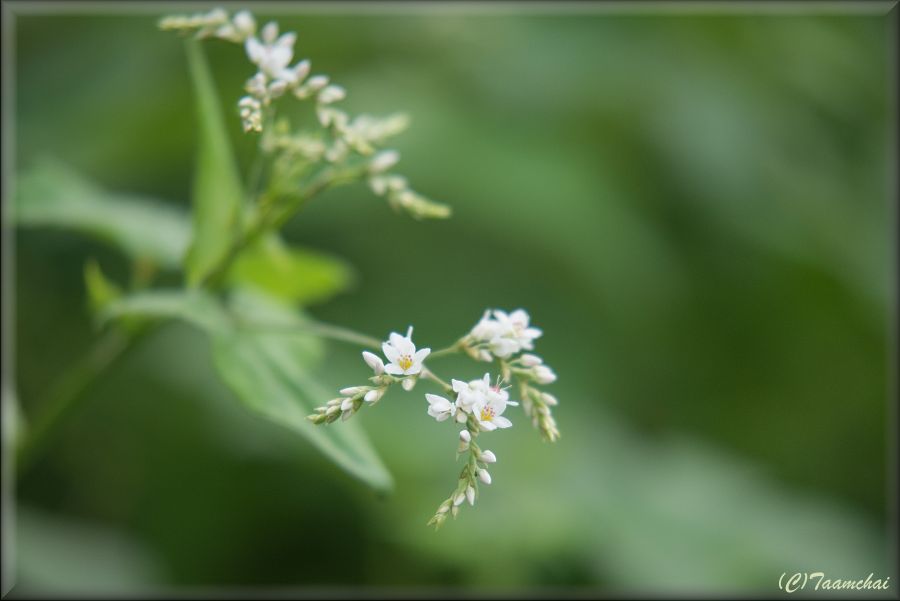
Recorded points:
(694,209)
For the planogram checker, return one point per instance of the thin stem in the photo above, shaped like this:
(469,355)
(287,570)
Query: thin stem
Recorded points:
(324,330)
(444,352)
(70,391)
(427,373)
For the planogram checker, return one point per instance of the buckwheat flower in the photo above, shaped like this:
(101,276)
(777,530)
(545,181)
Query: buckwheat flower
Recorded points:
(273,54)
(470,394)
(256,85)
(292,76)
(515,325)
(503,347)
(402,354)
(484,476)
(490,413)
(438,407)
(486,328)
(332,93)
(374,361)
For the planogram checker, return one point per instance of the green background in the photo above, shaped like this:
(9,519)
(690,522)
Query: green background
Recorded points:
(693,207)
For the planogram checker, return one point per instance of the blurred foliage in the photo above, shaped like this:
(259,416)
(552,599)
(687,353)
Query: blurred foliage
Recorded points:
(693,207)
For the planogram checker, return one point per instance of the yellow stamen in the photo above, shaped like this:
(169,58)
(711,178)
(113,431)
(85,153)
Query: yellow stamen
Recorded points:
(405,362)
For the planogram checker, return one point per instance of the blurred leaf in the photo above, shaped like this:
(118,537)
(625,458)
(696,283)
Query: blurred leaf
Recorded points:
(63,557)
(193,306)
(100,290)
(266,364)
(291,273)
(270,370)
(53,194)
(217,185)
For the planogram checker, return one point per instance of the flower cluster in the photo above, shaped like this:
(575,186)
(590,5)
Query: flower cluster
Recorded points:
(478,405)
(343,141)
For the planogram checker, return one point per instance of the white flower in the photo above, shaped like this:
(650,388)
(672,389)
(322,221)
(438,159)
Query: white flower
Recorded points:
(470,394)
(549,399)
(515,325)
(470,495)
(465,436)
(347,405)
(438,407)
(374,361)
(273,54)
(488,457)
(486,328)
(402,354)
(489,413)
(351,390)
(408,383)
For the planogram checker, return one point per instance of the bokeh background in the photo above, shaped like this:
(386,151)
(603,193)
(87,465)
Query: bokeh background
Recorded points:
(694,207)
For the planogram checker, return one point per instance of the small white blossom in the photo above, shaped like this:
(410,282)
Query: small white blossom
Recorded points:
(438,407)
(402,354)
(408,383)
(465,436)
(549,399)
(459,499)
(506,333)
(347,405)
(244,23)
(470,495)
(488,457)
(374,361)
(273,54)
(351,390)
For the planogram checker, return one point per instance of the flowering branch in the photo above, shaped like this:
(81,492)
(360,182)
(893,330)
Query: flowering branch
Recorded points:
(479,404)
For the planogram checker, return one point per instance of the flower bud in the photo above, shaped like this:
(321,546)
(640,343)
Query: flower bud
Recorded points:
(544,375)
(488,457)
(373,395)
(470,495)
(530,360)
(244,23)
(347,405)
(374,361)
(408,383)
(484,476)
(465,436)
(549,399)
(351,390)
(485,355)
(459,499)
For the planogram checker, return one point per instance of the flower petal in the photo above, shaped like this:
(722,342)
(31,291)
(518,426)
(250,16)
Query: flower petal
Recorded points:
(391,352)
(393,369)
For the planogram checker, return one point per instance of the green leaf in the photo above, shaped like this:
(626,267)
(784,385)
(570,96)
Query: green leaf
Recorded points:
(217,185)
(194,306)
(291,273)
(271,368)
(51,194)
(100,290)
(263,354)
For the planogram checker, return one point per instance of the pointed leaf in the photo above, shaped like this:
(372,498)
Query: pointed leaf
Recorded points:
(291,273)
(51,194)
(217,185)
